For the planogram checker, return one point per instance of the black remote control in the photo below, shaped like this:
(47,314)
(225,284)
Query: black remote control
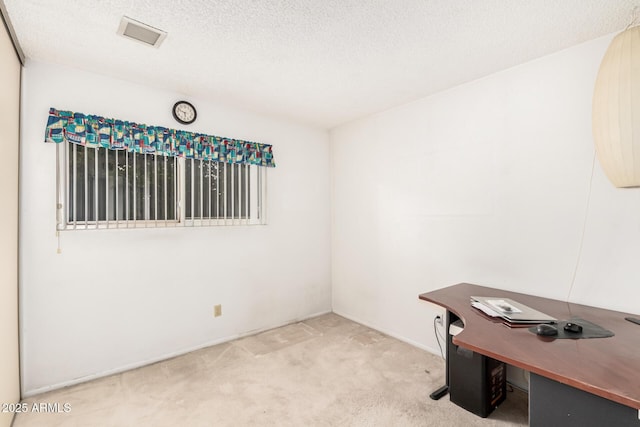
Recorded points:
(633,320)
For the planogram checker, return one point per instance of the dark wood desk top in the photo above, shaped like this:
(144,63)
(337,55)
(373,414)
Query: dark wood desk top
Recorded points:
(606,367)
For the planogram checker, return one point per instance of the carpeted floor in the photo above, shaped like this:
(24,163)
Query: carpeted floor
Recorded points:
(325,371)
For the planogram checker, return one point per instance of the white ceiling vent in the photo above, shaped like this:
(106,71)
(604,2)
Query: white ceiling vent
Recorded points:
(143,33)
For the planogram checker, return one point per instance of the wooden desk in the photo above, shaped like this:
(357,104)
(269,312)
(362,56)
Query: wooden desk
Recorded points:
(604,367)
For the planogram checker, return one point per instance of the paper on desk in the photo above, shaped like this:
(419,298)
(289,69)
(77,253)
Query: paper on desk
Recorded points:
(486,310)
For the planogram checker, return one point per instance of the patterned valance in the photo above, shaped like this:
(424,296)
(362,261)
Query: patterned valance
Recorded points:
(114,134)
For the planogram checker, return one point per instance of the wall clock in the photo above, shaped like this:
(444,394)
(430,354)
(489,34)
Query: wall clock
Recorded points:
(184,112)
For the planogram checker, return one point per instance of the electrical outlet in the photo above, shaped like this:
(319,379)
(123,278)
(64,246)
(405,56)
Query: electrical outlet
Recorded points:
(439,320)
(217,310)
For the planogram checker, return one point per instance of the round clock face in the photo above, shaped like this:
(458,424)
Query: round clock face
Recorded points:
(184,112)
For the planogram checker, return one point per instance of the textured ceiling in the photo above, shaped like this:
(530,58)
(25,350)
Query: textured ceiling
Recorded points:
(321,62)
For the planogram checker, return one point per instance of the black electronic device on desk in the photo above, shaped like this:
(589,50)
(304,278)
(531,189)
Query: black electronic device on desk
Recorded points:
(575,328)
(546,330)
(572,327)
(477,383)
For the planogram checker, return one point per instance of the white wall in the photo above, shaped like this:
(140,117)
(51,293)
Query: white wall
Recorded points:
(9,136)
(486,183)
(119,298)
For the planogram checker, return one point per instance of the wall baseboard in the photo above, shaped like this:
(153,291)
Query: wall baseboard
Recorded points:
(391,334)
(140,364)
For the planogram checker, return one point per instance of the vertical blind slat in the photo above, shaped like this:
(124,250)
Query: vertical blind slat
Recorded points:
(201,191)
(176,183)
(135,185)
(209,192)
(145,195)
(117,169)
(246,168)
(126,187)
(193,197)
(86,187)
(155,188)
(73,194)
(259,213)
(106,187)
(95,184)
(166,214)
(218,191)
(226,192)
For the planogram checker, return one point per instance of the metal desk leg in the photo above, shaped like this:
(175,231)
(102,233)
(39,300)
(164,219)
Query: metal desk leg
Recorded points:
(442,391)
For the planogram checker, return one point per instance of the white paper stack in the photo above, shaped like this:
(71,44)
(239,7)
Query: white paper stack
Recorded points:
(511,311)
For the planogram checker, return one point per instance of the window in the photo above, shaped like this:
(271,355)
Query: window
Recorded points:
(107,185)
(101,188)
(222,192)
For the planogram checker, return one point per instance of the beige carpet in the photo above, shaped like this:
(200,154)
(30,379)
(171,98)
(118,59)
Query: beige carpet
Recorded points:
(325,371)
